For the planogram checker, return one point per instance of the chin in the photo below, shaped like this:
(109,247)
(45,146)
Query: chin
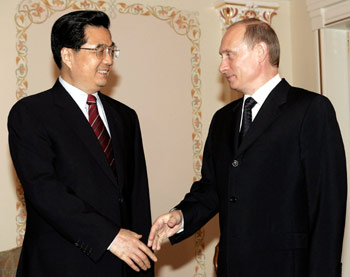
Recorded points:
(101,84)
(235,88)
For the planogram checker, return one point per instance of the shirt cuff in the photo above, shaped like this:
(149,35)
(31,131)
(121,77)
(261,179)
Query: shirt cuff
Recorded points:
(111,243)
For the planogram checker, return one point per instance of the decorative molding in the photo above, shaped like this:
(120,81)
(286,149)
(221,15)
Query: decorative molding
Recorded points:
(183,23)
(232,11)
(21,214)
(320,48)
(324,13)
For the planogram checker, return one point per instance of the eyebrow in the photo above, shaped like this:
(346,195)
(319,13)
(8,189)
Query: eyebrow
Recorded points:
(102,44)
(225,51)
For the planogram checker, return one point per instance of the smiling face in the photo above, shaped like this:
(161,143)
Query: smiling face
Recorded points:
(239,64)
(83,69)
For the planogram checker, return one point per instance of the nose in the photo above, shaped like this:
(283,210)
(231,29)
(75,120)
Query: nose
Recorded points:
(223,66)
(108,59)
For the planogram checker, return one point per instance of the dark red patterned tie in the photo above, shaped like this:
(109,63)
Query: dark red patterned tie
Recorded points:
(100,130)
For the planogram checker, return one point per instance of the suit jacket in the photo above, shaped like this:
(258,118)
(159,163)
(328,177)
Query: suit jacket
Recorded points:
(75,203)
(280,194)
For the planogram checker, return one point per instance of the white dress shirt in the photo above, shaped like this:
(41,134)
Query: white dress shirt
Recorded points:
(260,95)
(80,97)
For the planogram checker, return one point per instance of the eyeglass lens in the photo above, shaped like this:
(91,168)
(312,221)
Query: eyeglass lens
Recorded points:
(113,52)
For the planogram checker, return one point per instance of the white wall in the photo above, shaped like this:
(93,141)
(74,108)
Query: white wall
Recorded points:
(336,86)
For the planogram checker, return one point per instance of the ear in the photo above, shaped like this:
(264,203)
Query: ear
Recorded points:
(67,56)
(261,51)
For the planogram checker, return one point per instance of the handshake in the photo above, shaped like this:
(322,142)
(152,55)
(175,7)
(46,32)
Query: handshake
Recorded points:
(128,247)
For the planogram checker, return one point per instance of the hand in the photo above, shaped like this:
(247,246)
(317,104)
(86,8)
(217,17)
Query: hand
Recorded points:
(128,247)
(164,227)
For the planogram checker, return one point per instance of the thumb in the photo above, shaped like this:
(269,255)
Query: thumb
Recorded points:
(136,235)
(172,222)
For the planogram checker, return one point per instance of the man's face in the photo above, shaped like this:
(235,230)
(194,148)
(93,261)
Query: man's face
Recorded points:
(89,72)
(239,64)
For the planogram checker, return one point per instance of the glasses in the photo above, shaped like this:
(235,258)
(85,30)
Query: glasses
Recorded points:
(102,50)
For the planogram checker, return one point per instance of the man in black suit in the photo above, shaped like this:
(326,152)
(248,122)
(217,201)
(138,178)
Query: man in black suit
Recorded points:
(78,154)
(273,168)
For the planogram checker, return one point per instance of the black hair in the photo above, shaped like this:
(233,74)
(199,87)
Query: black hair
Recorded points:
(69,30)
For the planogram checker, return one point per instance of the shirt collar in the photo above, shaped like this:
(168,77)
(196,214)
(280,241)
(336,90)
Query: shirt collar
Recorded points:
(79,96)
(263,92)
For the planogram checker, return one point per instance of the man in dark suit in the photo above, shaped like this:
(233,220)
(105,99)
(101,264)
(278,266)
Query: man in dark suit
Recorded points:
(273,168)
(78,154)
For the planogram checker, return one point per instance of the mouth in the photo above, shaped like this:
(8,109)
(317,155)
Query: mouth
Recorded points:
(229,78)
(103,72)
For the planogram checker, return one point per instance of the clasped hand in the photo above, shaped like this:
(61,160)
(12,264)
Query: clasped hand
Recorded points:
(128,247)
(164,227)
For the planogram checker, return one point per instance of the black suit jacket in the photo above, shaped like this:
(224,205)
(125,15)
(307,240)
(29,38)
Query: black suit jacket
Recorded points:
(75,204)
(280,194)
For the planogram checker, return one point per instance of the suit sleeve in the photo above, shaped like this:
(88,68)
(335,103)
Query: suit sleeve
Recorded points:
(323,159)
(140,206)
(202,202)
(33,155)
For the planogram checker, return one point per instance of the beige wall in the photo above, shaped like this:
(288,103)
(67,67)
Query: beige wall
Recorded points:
(304,48)
(8,79)
(153,76)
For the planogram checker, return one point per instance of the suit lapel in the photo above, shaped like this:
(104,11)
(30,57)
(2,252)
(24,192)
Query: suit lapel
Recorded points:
(237,113)
(78,124)
(267,114)
(117,134)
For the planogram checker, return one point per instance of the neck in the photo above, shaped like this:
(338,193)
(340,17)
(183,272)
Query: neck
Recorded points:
(265,76)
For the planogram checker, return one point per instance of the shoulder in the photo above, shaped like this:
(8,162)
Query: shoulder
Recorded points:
(308,98)
(115,103)
(36,103)
(297,98)
(118,108)
(228,108)
(309,106)
(31,110)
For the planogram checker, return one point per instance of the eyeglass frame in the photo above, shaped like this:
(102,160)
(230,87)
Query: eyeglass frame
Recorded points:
(107,50)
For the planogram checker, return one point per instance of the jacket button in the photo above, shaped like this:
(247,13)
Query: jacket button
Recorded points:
(233,199)
(121,200)
(235,163)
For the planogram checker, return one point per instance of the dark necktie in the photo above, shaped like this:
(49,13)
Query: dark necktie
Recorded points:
(247,116)
(100,130)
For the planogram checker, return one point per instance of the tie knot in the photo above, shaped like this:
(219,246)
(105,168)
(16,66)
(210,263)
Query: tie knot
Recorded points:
(91,99)
(249,103)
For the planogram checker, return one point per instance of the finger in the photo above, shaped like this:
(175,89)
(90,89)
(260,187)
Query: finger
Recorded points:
(175,218)
(159,243)
(172,222)
(142,256)
(130,263)
(130,233)
(155,243)
(136,235)
(153,233)
(148,252)
(141,260)
(151,237)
